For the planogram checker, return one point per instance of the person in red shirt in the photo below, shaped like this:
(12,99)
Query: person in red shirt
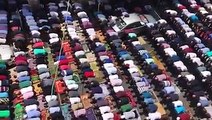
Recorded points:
(184,116)
(89,74)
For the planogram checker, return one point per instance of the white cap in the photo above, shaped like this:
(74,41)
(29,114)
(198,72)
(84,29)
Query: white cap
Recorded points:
(25,115)
(179,4)
(178,118)
(56,63)
(199,104)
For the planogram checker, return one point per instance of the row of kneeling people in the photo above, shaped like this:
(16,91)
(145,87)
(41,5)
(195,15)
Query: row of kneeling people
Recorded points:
(99,90)
(199,25)
(160,79)
(63,57)
(175,58)
(198,52)
(131,70)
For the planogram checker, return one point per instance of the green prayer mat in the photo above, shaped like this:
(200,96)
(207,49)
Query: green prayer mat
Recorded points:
(19,111)
(76,78)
